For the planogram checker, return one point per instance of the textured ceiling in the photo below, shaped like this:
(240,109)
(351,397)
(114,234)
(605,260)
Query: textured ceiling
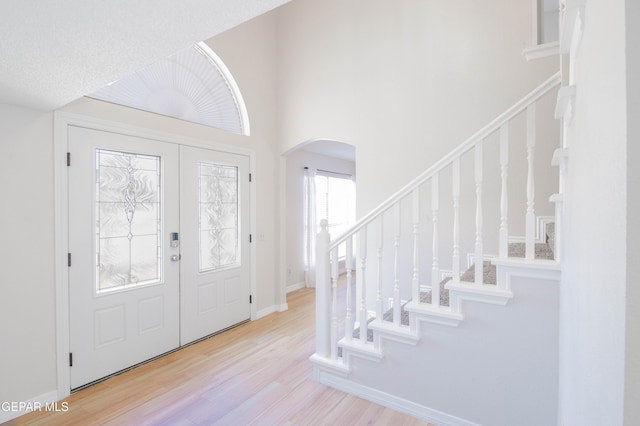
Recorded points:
(55,52)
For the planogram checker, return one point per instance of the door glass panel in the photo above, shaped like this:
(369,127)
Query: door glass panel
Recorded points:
(128,227)
(218,216)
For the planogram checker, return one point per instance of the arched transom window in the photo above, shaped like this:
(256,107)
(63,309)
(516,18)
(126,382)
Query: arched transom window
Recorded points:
(192,85)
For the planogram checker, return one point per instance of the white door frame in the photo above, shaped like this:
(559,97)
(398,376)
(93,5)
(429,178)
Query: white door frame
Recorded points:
(62,120)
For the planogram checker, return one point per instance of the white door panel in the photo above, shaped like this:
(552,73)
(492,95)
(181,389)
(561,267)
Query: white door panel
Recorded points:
(214,220)
(124,288)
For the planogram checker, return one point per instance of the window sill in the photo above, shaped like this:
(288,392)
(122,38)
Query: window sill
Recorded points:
(542,51)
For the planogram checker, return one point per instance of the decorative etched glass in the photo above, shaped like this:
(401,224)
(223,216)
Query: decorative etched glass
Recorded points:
(128,231)
(218,220)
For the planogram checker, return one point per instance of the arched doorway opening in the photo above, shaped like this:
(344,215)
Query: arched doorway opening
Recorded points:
(320,174)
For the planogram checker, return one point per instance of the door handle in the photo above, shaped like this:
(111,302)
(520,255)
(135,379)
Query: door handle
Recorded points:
(175,257)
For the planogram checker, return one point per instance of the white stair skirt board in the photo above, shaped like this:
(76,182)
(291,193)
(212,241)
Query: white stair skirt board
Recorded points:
(390,331)
(355,347)
(390,401)
(437,315)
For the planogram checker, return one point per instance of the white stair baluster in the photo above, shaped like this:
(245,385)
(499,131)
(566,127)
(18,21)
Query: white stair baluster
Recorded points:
(396,264)
(415,280)
(379,307)
(323,288)
(334,303)
(504,200)
(348,265)
(479,256)
(363,284)
(435,266)
(455,169)
(531,216)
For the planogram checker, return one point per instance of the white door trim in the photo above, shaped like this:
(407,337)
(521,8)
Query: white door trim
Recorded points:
(62,120)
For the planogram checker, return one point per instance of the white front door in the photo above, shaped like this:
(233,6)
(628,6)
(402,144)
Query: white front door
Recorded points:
(124,274)
(214,220)
(159,248)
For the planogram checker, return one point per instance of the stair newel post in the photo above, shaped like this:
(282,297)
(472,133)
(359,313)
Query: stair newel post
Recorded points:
(362,247)
(334,302)
(396,263)
(379,307)
(323,289)
(415,281)
(479,256)
(455,170)
(504,200)
(349,314)
(530,217)
(435,266)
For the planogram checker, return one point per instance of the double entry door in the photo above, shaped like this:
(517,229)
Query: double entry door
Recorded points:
(159,248)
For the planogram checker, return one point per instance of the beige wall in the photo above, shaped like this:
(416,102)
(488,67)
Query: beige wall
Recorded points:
(27,285)
(405,81)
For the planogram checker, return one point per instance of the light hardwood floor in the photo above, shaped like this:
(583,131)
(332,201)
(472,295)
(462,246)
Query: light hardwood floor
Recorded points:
(257,373)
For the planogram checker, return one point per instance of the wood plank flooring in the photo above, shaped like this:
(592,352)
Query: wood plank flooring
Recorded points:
(258,373)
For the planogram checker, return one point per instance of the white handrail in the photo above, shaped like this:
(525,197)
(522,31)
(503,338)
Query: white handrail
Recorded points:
(468,144)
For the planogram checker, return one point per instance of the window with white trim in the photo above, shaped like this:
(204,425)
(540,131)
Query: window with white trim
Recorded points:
(335,201)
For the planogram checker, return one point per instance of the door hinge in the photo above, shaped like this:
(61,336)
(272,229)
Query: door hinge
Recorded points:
(250,238)
(250,299)
(70,359)
(68,259)
(250,178)
(68,159)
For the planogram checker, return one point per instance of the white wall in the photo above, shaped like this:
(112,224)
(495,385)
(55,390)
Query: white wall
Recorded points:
(403,81)
(296,161)
(27,290)
(596,275)
(250,52)
(632,356)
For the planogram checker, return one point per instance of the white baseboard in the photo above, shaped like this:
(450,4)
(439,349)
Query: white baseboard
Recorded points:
(271,309)
(266,311)
(10,410)
(390,401)
(294,287)
(283,307)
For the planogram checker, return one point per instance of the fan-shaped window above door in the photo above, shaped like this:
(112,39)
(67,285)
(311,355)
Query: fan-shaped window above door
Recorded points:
(192,85)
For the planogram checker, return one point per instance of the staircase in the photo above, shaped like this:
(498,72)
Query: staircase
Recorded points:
(454,345)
